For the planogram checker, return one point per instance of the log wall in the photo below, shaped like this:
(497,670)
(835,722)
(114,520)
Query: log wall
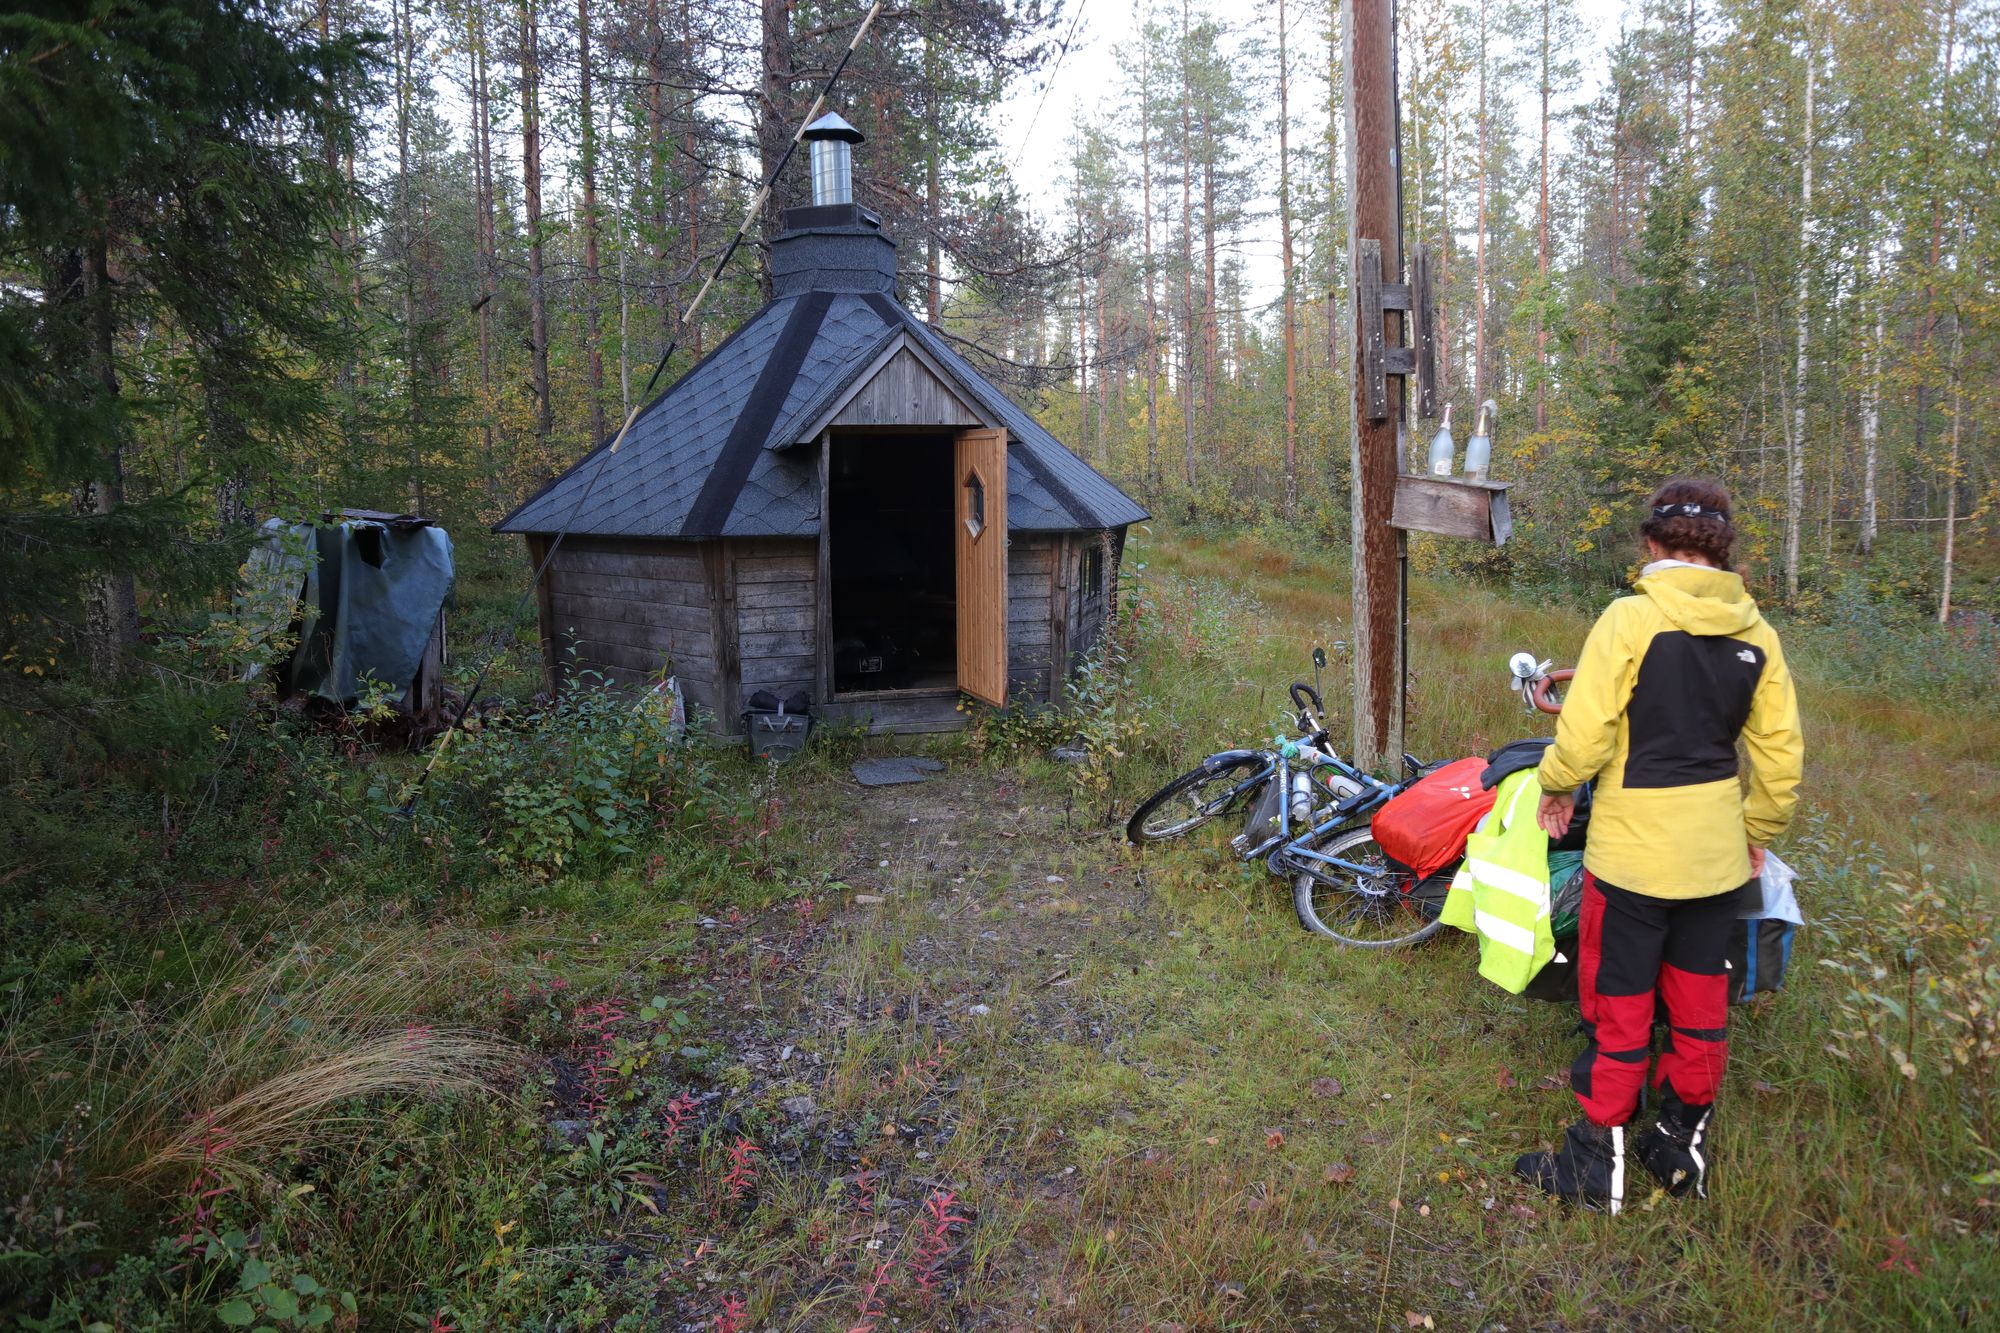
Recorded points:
(1032,568)
(629,609)
(774,585)
(732,617)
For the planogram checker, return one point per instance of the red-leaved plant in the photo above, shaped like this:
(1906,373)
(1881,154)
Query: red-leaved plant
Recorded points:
(934,1240)
(677,1111)
(741,1174)
(729,1319)
(198,1202)
(873,1303)
(594,1023)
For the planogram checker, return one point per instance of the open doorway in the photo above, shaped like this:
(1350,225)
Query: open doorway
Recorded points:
(890,560)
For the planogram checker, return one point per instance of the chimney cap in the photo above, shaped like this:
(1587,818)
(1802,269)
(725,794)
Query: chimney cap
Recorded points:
(831,126)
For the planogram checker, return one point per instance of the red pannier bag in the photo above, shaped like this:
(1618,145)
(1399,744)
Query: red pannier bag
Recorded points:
(1426,825)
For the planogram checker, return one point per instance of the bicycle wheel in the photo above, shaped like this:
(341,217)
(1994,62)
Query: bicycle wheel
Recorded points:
(1190,800)
(1364,911)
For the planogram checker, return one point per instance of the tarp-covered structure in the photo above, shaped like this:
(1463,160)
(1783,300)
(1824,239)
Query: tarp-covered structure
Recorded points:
(363,596)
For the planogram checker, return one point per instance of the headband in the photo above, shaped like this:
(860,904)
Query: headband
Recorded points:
(1689,509)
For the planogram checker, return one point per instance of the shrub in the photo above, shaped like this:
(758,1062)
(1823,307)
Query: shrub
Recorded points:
(570,786)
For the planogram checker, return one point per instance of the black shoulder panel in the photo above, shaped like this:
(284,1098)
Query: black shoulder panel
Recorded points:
(1688,705)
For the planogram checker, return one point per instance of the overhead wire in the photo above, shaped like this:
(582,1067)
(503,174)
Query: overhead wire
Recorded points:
(1076,19)
(604,455)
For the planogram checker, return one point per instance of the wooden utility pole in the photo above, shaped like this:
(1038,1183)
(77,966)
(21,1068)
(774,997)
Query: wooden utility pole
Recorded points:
(1373,164)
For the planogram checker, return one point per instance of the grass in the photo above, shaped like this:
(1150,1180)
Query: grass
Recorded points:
(472,1089)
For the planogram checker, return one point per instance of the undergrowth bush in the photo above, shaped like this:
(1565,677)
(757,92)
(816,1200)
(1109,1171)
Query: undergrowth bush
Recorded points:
(571,785)
(1861,641)
(1915,1013)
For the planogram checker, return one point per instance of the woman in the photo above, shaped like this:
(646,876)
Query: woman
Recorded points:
(1669,682)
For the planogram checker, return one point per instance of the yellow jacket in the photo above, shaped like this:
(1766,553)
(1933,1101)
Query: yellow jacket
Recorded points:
(1668,682)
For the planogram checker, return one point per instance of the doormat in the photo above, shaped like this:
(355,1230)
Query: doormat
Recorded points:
(895,772)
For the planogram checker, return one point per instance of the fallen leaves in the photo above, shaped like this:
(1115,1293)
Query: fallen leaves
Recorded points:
(1506,1078)
(1327,1087)
(1415,1320)
(1339,1173)
(1550,1082)
(1274,1139)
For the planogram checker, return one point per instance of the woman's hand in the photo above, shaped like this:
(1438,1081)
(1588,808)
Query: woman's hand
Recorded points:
(1756,860)
(1555,811)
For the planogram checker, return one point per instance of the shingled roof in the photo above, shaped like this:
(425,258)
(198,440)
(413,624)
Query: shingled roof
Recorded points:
(713,456)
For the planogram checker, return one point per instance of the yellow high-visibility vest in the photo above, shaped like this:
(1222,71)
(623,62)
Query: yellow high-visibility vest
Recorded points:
(1501,890)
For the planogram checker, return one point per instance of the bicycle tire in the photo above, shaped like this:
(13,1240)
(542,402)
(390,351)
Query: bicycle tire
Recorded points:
(1186,785)
(1383,902)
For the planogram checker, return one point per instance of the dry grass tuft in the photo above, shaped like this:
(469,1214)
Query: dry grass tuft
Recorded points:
(302,1103)
(267,1052)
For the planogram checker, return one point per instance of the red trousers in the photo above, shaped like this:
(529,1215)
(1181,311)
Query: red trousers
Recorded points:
(1636,956)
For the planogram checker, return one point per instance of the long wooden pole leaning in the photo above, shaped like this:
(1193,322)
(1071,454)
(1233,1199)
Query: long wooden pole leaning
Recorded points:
(1373,166)
(644,400)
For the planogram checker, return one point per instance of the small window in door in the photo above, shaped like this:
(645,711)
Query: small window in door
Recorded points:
(975,504)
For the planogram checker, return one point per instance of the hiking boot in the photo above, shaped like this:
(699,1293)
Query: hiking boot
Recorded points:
(1588,1169)
(1676,1149)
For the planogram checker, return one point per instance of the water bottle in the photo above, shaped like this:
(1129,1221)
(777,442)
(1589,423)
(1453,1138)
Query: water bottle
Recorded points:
(1302,798)
(1341,785)
(1479,449)
(1442,448)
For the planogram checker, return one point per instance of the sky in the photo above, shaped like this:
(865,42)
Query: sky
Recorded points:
(1033,125)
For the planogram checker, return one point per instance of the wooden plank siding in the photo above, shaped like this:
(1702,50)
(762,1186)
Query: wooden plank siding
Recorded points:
(1088,604)
(744,614)
(1031,576)
(904,392)
(627,608)
(774,621)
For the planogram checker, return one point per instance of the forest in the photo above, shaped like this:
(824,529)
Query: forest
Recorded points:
(302,1025)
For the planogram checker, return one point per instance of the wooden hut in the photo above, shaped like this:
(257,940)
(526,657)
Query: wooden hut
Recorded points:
(832,501)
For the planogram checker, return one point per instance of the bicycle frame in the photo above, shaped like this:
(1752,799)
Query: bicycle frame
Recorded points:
(1373,793)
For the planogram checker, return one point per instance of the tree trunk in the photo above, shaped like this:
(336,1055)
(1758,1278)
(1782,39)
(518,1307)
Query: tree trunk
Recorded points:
(406,55)
(1479,390)
(1951,473)
(1208,322)
(1542,249)
(774,114)
(1928,325)
(1186,385)
(1687,85)
(1082,321)
(656,159)
(689,123)
(1103,399)
(531,193)
(111,603)
(1152,307)
(485,234)
(933,210)
(1871,410)
(1795,439)
(593,340)
(1291,498)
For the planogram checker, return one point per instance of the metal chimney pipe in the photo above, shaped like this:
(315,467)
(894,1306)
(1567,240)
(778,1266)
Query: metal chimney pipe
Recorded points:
(832,162)
(832,172)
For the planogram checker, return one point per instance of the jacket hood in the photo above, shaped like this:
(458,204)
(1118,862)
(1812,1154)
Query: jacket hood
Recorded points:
(1700,600)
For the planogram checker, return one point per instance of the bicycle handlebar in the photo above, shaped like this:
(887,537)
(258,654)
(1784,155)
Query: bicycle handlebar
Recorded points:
(1539,689)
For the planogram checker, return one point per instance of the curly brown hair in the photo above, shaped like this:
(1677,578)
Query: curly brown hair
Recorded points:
(1700,522)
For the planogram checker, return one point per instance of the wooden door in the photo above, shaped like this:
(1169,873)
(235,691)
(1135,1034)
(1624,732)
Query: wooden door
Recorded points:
(979,537)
